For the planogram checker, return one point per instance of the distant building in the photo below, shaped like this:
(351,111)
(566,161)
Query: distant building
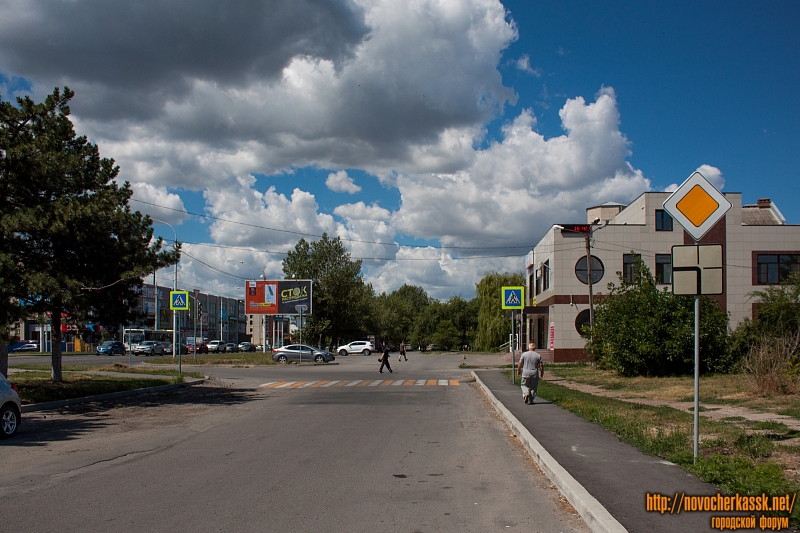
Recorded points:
(759,249)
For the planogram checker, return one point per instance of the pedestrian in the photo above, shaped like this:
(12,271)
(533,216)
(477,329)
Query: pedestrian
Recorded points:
(402,351)
(531,367)
(385,360)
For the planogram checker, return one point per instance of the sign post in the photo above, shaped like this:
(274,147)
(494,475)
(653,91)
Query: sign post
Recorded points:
(513,298)
(178,301)
(300,309)
(697,206)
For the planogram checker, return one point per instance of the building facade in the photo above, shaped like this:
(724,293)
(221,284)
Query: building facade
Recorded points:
(759,249)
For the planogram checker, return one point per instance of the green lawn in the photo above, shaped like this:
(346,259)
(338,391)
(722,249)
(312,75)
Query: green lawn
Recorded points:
(36,387)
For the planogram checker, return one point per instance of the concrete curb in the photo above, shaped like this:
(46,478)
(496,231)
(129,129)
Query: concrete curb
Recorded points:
(30,408)
(593,513)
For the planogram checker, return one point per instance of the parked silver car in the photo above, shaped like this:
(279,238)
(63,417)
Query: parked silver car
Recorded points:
(148,348)
(10,408)
(292,352)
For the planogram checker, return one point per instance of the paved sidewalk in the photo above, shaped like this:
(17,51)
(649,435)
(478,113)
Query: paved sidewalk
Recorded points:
(616,474)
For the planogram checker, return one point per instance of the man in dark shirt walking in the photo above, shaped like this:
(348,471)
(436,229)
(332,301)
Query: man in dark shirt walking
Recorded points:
(385,360)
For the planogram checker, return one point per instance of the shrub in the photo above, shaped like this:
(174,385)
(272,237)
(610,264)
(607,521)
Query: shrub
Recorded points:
(640,330)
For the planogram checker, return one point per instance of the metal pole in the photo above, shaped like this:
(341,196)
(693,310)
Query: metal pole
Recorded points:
(513,328)
(194,327)
(589,273)
(696,372)
(301,334)
(696,375)
(155,299)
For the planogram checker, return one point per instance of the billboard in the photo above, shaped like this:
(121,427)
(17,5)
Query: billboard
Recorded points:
(277,297)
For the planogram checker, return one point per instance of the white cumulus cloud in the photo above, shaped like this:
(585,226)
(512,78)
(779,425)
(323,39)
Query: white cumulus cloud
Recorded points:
(341,182)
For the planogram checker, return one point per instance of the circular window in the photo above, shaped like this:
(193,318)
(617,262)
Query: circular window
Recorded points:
(582,319)
(597,270)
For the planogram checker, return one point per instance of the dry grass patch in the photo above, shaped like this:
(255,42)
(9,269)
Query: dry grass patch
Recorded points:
(730,389)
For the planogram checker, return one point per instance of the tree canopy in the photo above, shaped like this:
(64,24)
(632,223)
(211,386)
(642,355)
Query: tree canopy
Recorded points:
(69,239)
(341,299)
(493,326)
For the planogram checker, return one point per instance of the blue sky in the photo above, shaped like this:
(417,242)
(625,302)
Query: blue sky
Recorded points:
(458,129)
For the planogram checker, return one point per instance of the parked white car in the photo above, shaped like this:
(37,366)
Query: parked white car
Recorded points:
(217,347)
(10,408)
(362,347)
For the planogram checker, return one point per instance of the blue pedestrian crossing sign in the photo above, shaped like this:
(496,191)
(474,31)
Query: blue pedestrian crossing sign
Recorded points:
(179,300)
(513,297)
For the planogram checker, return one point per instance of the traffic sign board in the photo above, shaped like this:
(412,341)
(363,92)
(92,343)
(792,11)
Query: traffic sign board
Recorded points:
(697,205)
(513,297)
(697,269)
(179,300)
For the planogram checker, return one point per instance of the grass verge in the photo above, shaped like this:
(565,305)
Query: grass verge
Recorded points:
(245,358)
(36,387)
(730,389)
(116,367)
(731,458)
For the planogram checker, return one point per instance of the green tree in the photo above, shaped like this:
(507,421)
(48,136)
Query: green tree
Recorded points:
(395,314)
(493,326)
(77,248)
(341,299)
(426,324)
(463,315)
(640,330)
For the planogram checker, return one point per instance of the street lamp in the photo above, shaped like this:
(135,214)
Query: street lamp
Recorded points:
(587,230)
(263,317)
(175,347)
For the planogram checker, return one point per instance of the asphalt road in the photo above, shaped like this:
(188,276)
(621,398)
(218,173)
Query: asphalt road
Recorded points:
(283,448)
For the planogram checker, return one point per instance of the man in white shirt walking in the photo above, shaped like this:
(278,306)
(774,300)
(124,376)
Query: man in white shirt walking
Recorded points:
(531,367)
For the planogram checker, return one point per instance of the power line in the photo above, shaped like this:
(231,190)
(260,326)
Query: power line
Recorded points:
(526,246)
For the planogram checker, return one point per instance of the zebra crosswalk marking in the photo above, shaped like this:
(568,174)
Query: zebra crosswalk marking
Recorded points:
(360,383)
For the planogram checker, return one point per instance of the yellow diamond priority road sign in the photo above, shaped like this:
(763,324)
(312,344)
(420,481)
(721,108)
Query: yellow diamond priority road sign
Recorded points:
(697,205)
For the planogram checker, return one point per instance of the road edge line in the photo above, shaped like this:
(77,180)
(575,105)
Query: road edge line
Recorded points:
(592,511)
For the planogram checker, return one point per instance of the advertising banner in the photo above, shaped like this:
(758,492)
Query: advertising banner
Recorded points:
(277,297)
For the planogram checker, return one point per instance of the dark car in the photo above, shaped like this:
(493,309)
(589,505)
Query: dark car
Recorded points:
(201,348)
(247,347)
(110,348)
(231,347)
(293,352)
